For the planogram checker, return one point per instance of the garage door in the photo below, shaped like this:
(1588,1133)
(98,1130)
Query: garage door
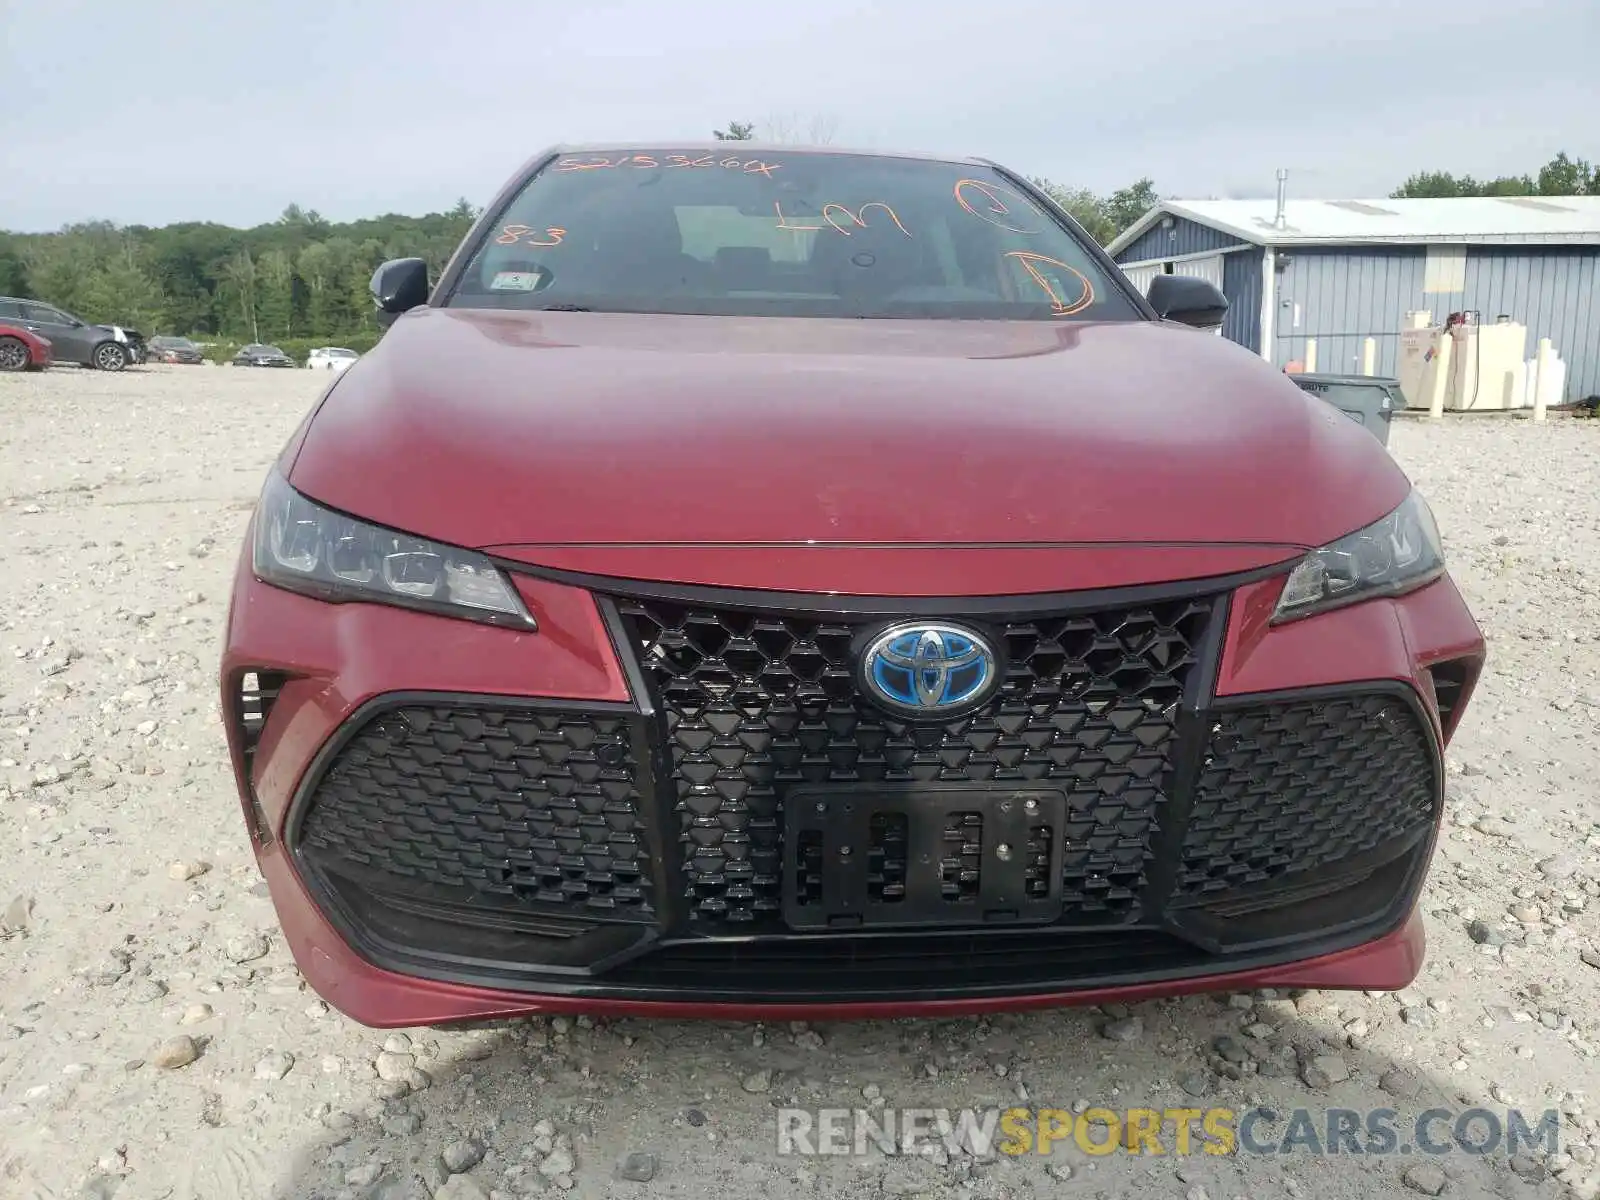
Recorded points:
(1140,277)
(1209,269)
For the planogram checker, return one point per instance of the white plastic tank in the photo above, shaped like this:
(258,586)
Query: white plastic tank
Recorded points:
(1487,366)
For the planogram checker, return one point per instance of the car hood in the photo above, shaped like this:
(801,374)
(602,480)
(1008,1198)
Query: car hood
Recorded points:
(487,428)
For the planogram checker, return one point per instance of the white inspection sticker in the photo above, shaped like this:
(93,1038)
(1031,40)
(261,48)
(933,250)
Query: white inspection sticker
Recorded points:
(517,281)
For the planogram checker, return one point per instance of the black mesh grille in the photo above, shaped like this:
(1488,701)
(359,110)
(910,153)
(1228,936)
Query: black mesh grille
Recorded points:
(514,807)
(755,703)
(1296,787)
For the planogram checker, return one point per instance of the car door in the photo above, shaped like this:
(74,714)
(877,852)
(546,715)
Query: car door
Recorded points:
(69,338)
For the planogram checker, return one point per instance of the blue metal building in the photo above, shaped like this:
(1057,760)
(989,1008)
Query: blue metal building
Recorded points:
(1341,271)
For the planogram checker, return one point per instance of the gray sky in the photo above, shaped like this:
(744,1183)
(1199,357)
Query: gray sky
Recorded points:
(182,110)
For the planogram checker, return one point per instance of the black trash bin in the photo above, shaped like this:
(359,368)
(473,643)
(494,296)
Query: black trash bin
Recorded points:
(1371,400)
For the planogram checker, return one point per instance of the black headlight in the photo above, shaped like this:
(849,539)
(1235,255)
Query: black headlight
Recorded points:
(1397,554)
(303,547)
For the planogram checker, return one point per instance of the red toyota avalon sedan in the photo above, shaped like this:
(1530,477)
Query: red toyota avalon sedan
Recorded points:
(765,582)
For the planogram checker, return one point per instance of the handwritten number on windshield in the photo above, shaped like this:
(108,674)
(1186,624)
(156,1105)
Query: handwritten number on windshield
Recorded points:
(858,217)
(646,162)
(514,235)
(988,202)
(1059,305)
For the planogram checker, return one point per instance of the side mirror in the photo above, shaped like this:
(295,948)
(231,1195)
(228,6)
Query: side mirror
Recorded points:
(1187,300)
(400,285)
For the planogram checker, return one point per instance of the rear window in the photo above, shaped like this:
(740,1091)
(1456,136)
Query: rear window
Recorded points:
(802,234)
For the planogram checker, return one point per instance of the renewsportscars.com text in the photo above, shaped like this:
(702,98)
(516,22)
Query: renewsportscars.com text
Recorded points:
(988,1132)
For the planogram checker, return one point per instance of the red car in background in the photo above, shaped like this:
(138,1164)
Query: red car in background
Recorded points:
(22,349)
(762,582)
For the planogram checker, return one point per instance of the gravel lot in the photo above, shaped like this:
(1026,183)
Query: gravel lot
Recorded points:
(133,913)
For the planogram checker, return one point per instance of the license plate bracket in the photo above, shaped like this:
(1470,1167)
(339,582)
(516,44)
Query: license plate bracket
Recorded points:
(919,855)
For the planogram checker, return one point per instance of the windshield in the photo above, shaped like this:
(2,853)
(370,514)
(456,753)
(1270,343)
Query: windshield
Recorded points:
(802,234)
(172,343)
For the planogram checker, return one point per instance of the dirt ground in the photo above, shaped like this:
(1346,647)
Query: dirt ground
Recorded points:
(133,913)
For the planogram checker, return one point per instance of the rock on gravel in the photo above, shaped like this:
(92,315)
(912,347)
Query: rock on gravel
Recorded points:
(560,1160)
(1485,934)
(364,1175)
(1401,1083)
(145,991)
(1231,1049)
(17,915)
(638,1167)
(1127,1029)
(1324,1070)
(402,1124)
(394,1067)
(462,1156)
(176,1052)
(275,1065)
(461,1187)
(1559,866)
(247,947)
(1425,1178)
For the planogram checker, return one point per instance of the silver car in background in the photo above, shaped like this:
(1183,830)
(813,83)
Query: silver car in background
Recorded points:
(331,358)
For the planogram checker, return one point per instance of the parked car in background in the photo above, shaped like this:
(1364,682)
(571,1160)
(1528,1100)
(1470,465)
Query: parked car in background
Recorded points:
(104,347)
(175,350)
(331,358)
(22,349)
(258,355)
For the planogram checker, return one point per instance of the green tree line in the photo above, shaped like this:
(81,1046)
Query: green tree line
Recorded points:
(298,276)
(1561,176)
(302,276)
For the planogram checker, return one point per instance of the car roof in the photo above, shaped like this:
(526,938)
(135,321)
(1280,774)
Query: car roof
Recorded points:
(757,147)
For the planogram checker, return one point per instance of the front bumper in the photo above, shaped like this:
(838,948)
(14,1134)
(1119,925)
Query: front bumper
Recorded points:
(1243,805)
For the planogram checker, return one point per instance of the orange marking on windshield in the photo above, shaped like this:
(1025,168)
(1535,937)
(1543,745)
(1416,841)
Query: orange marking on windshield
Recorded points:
(996,207)
(515,235)
(783,221)
(859,216)
(752,166)
(1057,305)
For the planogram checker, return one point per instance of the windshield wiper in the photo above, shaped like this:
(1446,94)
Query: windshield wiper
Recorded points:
(563,308)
